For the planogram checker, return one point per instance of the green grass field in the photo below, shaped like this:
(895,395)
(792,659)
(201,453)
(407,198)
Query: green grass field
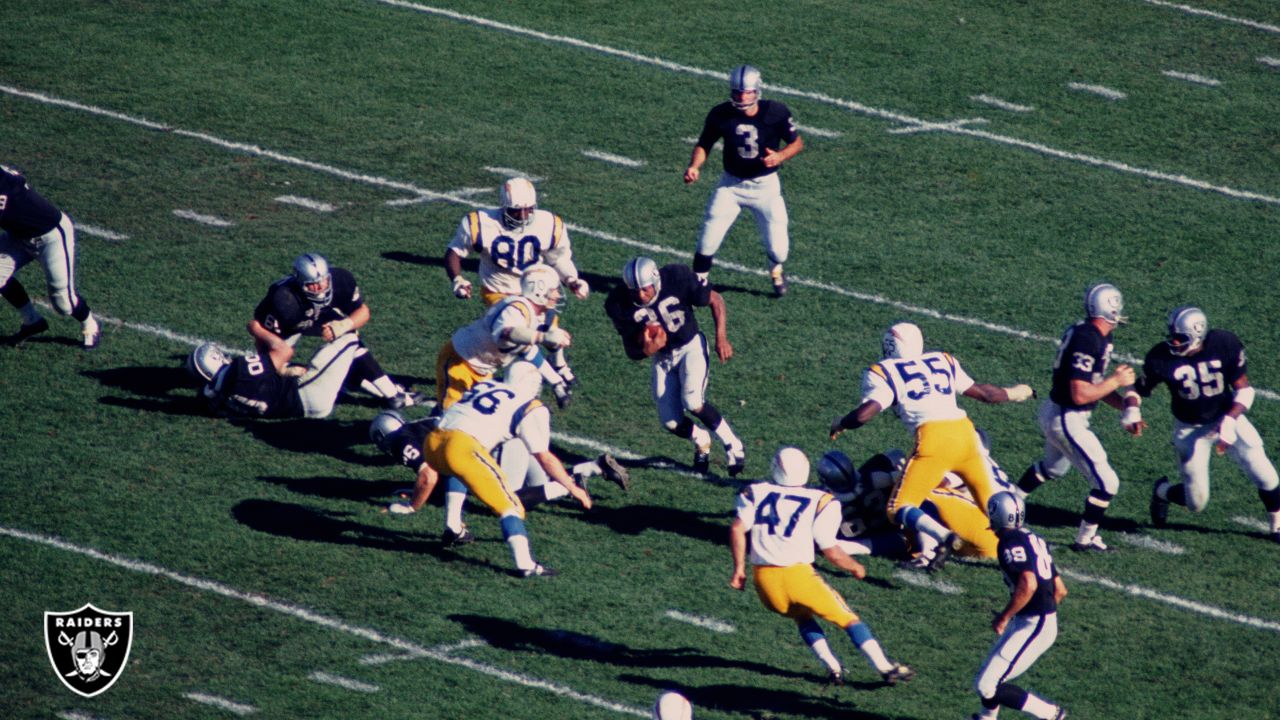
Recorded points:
(255,556)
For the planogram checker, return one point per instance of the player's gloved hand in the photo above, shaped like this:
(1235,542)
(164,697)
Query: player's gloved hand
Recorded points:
(1131,420)
(294,370)
(338,328)
(461,288)
(1226,433)
(556,338)
(1020,393)
(579,287)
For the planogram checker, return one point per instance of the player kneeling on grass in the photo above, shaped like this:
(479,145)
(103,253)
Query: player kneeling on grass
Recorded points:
(1028,624)
(784,520)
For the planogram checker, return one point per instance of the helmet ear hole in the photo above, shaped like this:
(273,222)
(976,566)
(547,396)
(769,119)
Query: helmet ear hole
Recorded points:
(642,272)
(309,270)
(1188,327)
(1105,301)
(1006,511)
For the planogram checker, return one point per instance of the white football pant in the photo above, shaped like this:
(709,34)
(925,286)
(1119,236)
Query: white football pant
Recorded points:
(1023,641)
(1068,442)
(319,388)
(1194,445)
(56,251)
(680,380)
(763,196)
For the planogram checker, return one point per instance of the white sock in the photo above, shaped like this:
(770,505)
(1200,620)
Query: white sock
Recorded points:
(1275,521)
(725,433)
(701,438)
(30,315)
(1037,706)
(927,525)
(927,544)
(875,655)
(586,469)
(520,551)
(453,502)
(1086,533)
(383,387)
(822,649)
(90,325)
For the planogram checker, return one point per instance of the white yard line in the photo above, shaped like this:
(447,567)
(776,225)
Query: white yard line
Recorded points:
(420,199)
(209,220)
(1252,523)
(816,132)
(1191,78)
(850,105)
(922,580)
(934,127)
(76,715)
(1002,104)
(1175,601)
(1100,90)
(1216,16)
(613,159)
(311,616)
(712,624)
(1269,61)
(510,173)
(96,231)
(230,706)
(307,203)
(384,658)
(1150,543)
(343,682)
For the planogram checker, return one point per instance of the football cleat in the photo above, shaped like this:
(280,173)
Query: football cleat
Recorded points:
(780,284)
(1095,544)
(1275,536)
(735,459)
(702,460)
(92,340)
(1061,714)
(949,544)
(835,678)
(899,674)
(27,331)
(539,570)
(563,394)
(1159,508)
(916,564)
(614,472)
(454,539)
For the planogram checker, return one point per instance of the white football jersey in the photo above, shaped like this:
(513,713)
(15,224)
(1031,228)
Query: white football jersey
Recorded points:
(493,412)
(504,254)
(920,389)
(783,523)
(480,343)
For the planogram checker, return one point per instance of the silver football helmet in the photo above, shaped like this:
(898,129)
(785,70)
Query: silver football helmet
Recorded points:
(1188,327)
(383,425)
(790,467)
(1105,301)
(837,473)
(518,200)
(541,284)
(1005,511)
(205,361)
(313,269)
(642,272)
(902,340)
(744,79)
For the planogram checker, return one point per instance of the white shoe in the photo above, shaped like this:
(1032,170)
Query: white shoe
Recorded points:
(401,508)
(735,458)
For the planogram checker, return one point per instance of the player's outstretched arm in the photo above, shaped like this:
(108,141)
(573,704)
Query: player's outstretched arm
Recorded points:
(720,316)
(738,549)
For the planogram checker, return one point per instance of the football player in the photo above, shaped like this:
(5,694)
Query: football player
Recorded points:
(754,130)
(923,387)
(784,520)
(510,240)
(653,313)
(1206,372)
(461,445)
(321,301)
(1028,624)
(249,386)
(1079,383)
(31,228)
(511,329)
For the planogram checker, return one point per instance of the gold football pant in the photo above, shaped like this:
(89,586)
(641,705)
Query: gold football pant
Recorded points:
(797,592)
(942,446)
(453,452)
(454,376)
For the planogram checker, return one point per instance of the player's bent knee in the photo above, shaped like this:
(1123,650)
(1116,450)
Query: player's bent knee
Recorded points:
(62,302)
(985,685)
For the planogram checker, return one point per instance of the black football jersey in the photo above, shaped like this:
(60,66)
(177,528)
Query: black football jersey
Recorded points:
(1083,354)
(865,513)
(1019,551)
(251,387)
(745,138)
(1202,386)
(407,442)
(681,292)
(24,213)
(286,311)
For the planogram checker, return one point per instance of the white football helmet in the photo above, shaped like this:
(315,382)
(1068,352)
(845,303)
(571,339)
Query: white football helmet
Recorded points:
(745,78)
(1005,511)
(672,705)
(205,361)
(838,475)
(902,340)
(1188,327)
(312,269)
(383,425)
(518,200)
(642,272)
(1105,301)
(790,467)
(541,284)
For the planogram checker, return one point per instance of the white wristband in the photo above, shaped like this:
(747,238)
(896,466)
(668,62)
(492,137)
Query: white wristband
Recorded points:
(1020,393)
(1244,396)
(341,327)
(1132,415)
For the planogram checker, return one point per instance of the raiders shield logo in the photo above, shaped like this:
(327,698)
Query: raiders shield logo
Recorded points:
(88,647)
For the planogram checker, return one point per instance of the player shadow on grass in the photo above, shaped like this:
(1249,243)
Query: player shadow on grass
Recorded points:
(167,390)
(757,702)
(316,525)
(375,492)
(514,637)
(630,519)
(1046,516)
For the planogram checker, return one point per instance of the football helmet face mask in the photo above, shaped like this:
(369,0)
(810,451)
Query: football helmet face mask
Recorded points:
(1188,327)
(311,273)
(1005,511)
(205,361)
(1105,301)
(383,425)
(902,341)
(837,473)
(745,87)
(789,467)
(518,200)
(541,284)
(640,273)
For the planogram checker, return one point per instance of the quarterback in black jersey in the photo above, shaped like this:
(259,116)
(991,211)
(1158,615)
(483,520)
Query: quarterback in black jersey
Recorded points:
(1207,375)
(31,228)
(317,300)
(250,386)
(1079,382)
(654,315)
(754,131)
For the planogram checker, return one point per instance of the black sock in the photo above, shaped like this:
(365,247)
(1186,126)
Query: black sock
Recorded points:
(1031,479)
(1177,494)
(702,263)
(709,416)
(684,429)
(81,309)
(15,293)
(1270,499)
(1011,696)
(364,367)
